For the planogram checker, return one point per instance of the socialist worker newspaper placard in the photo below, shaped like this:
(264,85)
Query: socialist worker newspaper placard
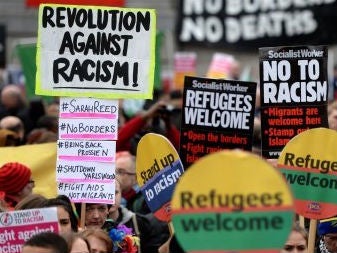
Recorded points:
(217,114)
(95,51)
(294,94)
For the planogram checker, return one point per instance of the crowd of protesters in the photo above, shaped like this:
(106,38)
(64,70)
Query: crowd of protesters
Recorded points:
(35,121)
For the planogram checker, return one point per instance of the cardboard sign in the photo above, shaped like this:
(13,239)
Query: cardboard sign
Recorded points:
(158,170)
(88,51)
(16,227)
(227,201)
(91,191)
(308,162)
(74,171)
(89,129)
(294,94)
(88,108)
(217,114)
(99,151)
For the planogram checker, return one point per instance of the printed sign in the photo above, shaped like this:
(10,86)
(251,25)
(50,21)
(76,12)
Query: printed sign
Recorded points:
(88,192)
(227,201)
(88,51)
(217,114)
(308,162)
(99,151)
(74,171)
(16,227)
(294,94)
(89,129)
(251,24)
(88,108)
(158,170)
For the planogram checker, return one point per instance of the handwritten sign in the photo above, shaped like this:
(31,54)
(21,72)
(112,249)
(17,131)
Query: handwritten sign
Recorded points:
(88,192)
(16,227)
(294,94)
(87,51)
(89,129)
(88,108)
(217,114)
(309,164)
(99,151)
(73,171)
(227,201)
(158,171)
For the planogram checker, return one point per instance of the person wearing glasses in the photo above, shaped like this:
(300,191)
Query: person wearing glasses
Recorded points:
(327,231)
(16,183)
(132,198)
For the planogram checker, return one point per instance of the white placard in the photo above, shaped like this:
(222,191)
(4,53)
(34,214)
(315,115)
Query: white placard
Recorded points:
(72,171)
(99,151)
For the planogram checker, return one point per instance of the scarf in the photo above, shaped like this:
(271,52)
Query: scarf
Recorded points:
(322,246)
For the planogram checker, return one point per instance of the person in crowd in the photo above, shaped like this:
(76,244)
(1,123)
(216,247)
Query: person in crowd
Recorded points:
(99,240)
(14,124)
(77,243)
(33,200)
(327,231)
(41,135)
(16,182)
(13,103)
(66,217)
(332,115)
(95,214)
(150,231)
(146,121)
(297,241)
(9,138)
(45,242)
(132,198)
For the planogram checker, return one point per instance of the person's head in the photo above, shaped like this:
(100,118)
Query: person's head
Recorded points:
(126,170)
(118,196)
(297,241)
(9,138)
(16,181)
(65,214)
(99,240)
(332,115)
(11,97)
(46,242)
(31,201)
(95,215)
(327,229)
(77,243)
(14,124)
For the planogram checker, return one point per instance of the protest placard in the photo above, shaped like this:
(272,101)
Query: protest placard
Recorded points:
(88,129)
(294,94)
(88,191)
(90,51)
(16,227)
(217,114)
(88,108)
(74,171)
(308,163)
(77,150)
(158,170)
(228,201)
(235,24)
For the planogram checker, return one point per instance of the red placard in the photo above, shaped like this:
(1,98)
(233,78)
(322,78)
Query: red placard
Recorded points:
(35,3)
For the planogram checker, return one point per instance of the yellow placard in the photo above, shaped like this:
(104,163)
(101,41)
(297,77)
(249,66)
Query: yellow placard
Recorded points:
(41,159)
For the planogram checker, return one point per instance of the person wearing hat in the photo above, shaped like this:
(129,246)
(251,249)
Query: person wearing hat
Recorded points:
(327,230)
(15,182)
